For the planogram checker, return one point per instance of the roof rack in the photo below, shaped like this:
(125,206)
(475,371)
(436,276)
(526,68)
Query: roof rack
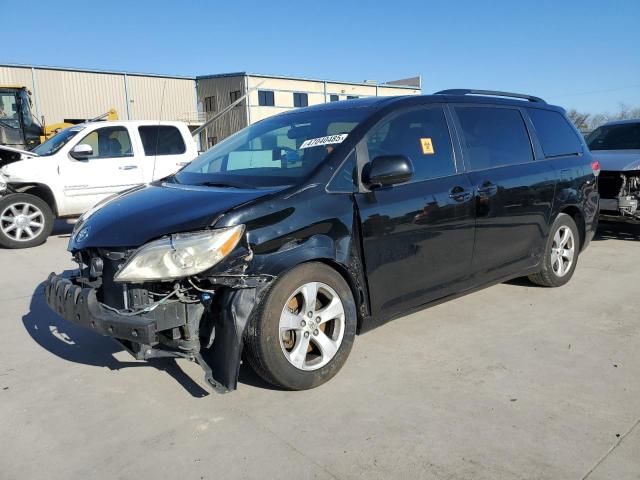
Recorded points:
(493,93)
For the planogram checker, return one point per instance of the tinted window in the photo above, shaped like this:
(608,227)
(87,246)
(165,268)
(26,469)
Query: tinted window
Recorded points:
(279,150)
(300,100)
(422,135)
(494,136)
(334,98)
(345,178)
(109,142)
(555,134)
(161,140)
(210,104)
(265,98)
(352,97)
(235,95)
(625,136)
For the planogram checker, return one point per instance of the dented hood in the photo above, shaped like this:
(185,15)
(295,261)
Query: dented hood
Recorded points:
(617,160)
(151,211)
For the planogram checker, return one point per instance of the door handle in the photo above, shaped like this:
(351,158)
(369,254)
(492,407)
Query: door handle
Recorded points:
(128,167)
(487,189)
(459,194)
(182,164)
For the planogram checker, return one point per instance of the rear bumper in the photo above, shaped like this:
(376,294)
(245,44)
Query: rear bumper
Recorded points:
(80,306)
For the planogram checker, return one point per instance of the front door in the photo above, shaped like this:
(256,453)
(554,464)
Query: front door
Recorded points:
(513,192)
(111,168)
(417,236)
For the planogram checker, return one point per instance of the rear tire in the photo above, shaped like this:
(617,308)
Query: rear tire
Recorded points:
(25,221)
(561,253)
(301,333)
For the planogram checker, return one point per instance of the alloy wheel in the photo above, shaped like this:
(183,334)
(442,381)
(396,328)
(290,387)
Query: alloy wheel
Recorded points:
(312,326)
(562,251)
(22,222)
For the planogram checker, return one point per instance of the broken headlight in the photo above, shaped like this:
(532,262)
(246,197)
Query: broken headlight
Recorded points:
(180,255)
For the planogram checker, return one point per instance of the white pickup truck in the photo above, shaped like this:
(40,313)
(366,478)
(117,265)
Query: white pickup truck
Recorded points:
(79,167)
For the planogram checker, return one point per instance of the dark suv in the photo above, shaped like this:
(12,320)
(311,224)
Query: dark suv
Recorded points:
(288,238)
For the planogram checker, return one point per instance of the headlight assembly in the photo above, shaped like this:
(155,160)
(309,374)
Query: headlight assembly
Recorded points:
(180,255)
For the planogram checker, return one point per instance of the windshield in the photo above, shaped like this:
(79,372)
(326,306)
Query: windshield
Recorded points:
(278,151)
(56,142)
(624,136)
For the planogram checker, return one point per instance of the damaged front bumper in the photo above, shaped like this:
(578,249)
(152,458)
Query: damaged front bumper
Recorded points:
(620,196)
(169,330)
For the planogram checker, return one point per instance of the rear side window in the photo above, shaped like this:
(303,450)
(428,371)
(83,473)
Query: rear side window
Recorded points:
(555,134)
(422,135)
(161,140)
(494,137)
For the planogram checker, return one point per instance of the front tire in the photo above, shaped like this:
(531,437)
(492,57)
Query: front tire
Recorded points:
(561,253)
(25,221)
(302,331)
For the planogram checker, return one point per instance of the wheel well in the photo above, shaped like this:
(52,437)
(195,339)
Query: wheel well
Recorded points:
(357,292)
(44,193)
(577,216)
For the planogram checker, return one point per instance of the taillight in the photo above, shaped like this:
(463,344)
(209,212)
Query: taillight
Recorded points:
(595,166)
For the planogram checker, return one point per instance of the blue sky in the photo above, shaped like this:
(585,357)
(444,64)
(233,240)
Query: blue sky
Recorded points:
(581,54)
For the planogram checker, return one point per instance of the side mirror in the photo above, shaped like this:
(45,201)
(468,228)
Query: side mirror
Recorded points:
(387,170)
(81,151)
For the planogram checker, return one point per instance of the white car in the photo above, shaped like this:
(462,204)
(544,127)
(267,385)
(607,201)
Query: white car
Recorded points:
(79,167)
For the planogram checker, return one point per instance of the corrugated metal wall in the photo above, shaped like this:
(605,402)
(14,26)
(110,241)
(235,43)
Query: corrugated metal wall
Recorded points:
(16,76)
(220,89)
(67,94)
(147,103)
(77,95)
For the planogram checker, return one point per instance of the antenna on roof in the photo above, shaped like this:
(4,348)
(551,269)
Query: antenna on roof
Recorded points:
(155,156)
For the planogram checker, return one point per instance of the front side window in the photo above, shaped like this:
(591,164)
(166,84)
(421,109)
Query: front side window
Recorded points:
(300,100)
(265,98)
(420,134)
(623,136)
(8,106)
(161,140)
(278,151)
(109,142)
(494,137)
(554,132)
(9,119)
(346,177)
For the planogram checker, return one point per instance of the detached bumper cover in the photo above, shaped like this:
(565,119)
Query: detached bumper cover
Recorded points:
(81,306)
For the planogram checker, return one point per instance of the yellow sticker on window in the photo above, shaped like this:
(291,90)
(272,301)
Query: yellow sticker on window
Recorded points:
(427,146)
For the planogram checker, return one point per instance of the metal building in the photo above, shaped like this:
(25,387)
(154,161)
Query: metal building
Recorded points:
(61,94)
(69,94)
(275,94)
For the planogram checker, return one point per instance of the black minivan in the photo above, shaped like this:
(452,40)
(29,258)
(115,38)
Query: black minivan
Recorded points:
(289,237)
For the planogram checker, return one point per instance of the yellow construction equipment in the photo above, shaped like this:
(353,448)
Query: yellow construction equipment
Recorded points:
(19,127)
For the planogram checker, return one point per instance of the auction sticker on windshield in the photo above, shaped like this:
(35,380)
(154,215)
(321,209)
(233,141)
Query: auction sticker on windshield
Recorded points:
(328,140)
